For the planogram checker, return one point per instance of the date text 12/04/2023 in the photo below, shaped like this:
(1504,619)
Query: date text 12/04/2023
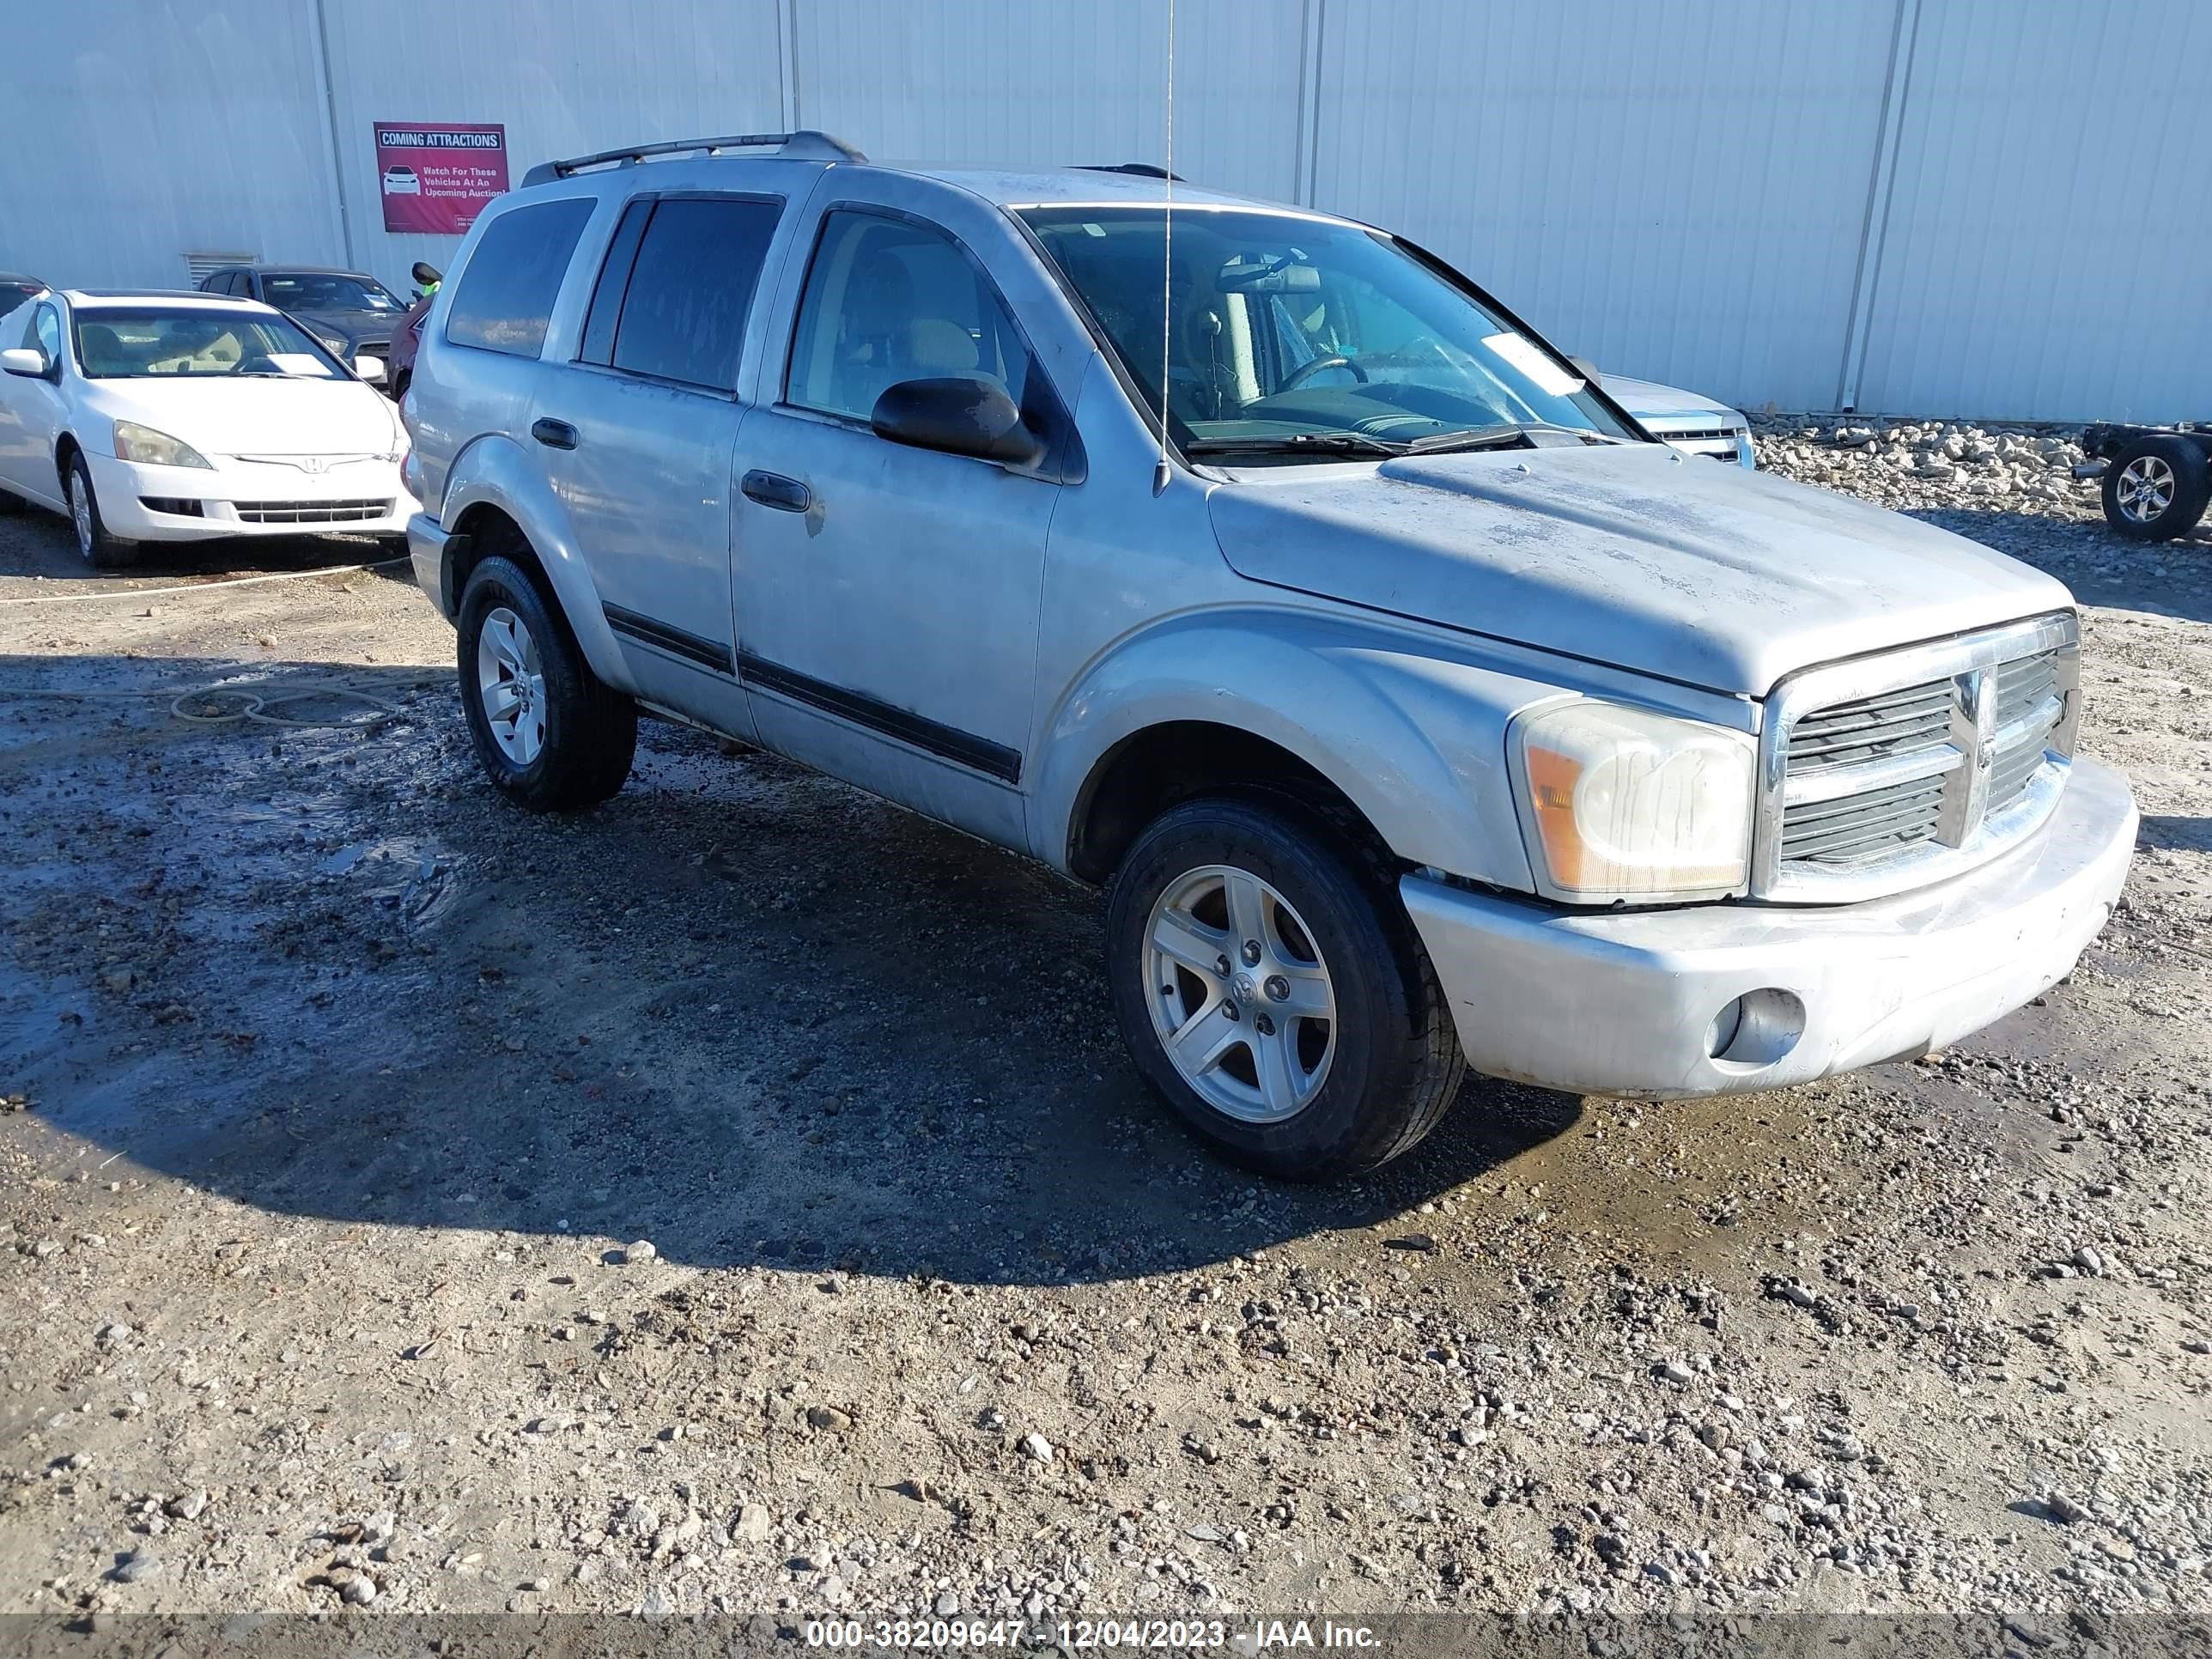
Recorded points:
(1144,1635)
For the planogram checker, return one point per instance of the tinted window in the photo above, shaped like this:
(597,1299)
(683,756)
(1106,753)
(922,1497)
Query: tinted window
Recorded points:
(614,277)
(684,313)
(44,333)
(505,299)
(322,290)
(889,300)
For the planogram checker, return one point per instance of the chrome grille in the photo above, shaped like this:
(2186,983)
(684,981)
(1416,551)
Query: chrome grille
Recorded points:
(1912,718)
(1893,771)
(1856,828)
(1720,443)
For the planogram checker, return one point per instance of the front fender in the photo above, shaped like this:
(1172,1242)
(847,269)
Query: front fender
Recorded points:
(493,471)
(1414,731)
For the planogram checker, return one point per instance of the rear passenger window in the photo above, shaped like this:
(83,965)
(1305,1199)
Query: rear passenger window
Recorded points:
(506,295)
(679,281)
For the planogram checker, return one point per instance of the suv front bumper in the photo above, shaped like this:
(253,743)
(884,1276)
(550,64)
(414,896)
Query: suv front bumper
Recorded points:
(1633,1003)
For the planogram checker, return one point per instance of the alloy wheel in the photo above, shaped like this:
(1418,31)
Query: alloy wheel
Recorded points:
(1240,996)
(2145,489)
(511,682)
(80,514)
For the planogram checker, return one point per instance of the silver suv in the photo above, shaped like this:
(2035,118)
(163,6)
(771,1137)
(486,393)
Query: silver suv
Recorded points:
(1416,708)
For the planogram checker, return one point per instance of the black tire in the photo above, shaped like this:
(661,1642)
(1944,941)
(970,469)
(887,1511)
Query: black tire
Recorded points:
(1396,1066)
(591,730)
(98,549)
(2189,488)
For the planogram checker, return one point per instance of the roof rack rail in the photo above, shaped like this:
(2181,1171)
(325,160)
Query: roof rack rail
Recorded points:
(1139,169)
(805,145)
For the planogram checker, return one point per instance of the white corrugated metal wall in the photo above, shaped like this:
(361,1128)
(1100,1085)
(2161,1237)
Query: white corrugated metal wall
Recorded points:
(1918,206)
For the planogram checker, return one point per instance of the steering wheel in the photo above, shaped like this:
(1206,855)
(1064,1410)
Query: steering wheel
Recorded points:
(1304,372)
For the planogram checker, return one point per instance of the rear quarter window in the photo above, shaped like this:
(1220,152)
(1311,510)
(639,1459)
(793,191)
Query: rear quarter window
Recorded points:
(505,298)
(672,301)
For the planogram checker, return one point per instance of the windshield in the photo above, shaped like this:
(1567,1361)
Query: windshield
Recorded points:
(115,344)
(317,290)
(1296,334)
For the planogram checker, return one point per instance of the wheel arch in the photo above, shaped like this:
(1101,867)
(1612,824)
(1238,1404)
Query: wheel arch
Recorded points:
(1412,743)
(493,492)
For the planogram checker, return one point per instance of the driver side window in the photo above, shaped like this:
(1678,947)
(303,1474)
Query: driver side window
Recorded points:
(887,301)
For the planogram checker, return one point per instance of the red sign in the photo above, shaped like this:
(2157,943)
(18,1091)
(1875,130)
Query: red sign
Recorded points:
(438,178)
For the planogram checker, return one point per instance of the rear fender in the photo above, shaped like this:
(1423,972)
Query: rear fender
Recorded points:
(494,472)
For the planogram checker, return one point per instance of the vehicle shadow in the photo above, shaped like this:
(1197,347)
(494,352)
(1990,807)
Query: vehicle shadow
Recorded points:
(2176,832)
(2170,579)
(41,543)
(742,1010)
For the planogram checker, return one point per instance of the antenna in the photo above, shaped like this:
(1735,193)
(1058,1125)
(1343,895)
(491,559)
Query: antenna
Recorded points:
(1161,473)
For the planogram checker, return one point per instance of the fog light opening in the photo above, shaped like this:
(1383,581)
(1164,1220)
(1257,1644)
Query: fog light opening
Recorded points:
(1757,1029)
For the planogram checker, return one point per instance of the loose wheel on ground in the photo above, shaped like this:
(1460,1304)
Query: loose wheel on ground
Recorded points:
(550,734)
(2156,487)
(1273,992)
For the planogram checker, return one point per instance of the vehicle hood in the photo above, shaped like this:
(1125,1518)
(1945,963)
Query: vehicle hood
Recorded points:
(1624,553)
(361,326)
(223,416)
(1642,397)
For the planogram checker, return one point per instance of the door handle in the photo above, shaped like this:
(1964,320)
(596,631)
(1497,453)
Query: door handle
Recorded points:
(774,489)
(554,435)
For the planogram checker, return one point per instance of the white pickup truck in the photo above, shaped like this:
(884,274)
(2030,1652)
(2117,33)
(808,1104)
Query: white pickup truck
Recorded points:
(1417,709)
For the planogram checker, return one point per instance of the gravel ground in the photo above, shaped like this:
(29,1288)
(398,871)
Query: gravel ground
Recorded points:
(733,1200)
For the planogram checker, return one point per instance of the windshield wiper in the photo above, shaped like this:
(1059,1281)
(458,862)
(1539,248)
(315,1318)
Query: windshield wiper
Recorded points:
(1296,443)
(1496,437)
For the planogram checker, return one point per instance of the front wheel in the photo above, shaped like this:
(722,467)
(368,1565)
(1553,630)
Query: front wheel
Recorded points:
(1273,992)
(93,545)
(551,735)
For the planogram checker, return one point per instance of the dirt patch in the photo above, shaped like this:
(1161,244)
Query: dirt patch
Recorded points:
(737,1198)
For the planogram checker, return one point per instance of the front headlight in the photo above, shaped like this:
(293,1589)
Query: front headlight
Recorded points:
(134,442)
(1623,804)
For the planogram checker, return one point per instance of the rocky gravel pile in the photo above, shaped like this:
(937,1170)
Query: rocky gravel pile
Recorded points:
(1931,463)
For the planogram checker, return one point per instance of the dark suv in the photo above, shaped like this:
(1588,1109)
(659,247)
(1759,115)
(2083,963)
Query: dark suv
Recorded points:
(348,311)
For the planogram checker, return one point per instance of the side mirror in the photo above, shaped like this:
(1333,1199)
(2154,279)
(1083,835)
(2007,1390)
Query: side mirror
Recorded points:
(370,369)
(426,273)
(958,415)
(1587,370)
(31,365)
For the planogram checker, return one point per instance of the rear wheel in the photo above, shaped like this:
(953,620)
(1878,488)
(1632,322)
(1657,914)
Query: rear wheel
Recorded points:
(2156,487)
(93,545)
(1272,992)
(551,736)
